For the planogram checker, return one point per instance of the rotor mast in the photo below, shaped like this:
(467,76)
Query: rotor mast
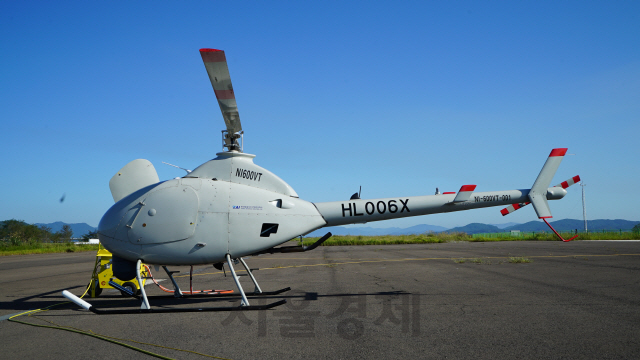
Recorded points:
(215,62)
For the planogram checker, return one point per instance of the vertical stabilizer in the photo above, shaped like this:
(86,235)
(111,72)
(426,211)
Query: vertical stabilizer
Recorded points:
(538,192)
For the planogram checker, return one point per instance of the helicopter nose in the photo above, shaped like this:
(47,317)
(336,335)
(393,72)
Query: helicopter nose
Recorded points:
(164,214)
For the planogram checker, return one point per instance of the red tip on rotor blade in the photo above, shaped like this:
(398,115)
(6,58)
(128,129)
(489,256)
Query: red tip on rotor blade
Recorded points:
(504,211)
(576,179)
(558,152)
(212,55)
(448,192)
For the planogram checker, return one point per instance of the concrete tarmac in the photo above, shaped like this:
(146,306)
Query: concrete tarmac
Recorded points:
(437,301)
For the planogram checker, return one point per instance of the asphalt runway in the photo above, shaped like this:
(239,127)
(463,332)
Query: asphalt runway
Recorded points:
(455,300)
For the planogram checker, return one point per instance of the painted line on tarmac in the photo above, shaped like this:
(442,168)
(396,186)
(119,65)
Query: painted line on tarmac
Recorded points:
(2,318)
(425,259)
(609,240)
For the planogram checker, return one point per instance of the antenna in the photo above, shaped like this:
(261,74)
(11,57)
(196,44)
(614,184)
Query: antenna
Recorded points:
(584,207)
(356,196)
(187,170)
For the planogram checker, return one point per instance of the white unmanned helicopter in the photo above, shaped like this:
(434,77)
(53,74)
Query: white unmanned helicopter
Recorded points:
(229,208)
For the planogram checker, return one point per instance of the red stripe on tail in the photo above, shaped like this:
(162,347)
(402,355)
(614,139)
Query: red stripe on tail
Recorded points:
(558,152)
(467,188)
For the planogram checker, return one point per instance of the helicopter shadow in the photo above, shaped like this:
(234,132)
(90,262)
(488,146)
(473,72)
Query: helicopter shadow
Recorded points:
(163,301)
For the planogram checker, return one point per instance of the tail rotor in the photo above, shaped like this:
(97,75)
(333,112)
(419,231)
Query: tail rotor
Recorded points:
(541,192)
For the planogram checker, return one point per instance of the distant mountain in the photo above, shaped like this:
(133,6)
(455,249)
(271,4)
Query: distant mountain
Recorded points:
(505,225)
(369,231)
(571,224)
(419,229)
(475,228)
(78,229)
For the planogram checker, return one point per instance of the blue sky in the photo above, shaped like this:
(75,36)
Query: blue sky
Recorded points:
(399,97)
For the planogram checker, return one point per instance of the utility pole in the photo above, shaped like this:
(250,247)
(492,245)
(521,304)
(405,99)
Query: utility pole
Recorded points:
(584,207)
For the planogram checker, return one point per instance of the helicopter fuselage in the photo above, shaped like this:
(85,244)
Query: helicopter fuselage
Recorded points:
(228,205)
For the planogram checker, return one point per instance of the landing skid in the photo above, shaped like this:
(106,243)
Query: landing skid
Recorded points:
(165,310)
(145,308)
(214,295)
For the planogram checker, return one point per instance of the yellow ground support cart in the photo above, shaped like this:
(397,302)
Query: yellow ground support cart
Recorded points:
(102,274)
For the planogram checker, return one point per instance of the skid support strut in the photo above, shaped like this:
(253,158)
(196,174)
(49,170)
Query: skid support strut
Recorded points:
(145,301)
(176,292)
(244,302)
(257,289)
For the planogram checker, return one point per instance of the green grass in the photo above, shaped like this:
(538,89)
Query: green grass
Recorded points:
(426,238)
(42,248)
(431,238)
(519,260)
(6,248)
(549,236)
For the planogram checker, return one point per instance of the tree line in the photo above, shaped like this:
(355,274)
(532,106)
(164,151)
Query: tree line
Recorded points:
(18,232)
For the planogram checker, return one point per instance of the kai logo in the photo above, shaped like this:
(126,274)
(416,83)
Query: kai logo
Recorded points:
(246,207)
(380,207)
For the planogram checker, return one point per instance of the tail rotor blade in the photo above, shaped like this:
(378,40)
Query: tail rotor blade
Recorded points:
(566,184)
(511,208)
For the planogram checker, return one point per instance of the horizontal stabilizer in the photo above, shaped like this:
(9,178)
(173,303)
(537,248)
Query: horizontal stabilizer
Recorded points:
(133,176)
(465,193)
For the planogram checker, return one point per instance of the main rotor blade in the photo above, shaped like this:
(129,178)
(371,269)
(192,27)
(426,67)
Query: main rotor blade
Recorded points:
(216,64)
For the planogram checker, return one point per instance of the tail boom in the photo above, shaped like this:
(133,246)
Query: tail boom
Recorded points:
(366,210)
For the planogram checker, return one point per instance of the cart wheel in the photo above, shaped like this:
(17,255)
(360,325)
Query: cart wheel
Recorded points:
(131,286)
(98,290)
